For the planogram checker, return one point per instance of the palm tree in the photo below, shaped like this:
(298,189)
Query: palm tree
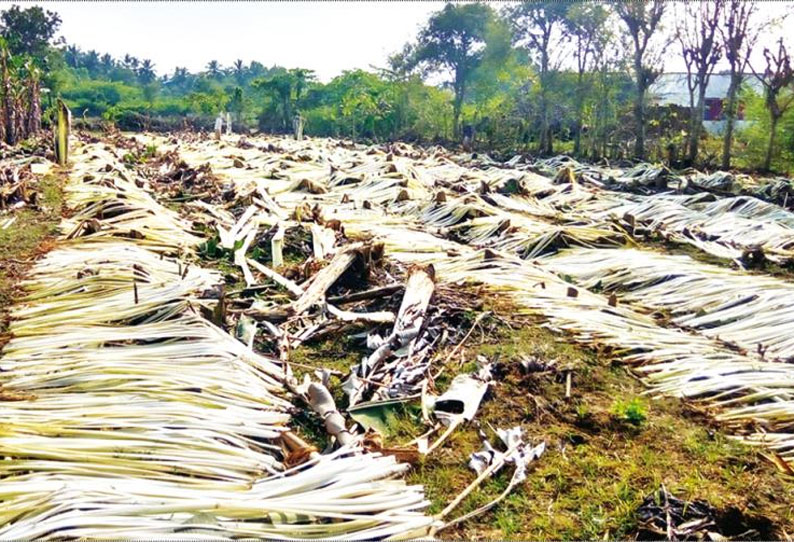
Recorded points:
(107,63)
(238,69)
(214,69)
(91,61)
(72,56)
(130,62)
(146,72)
(180,76)
(179,80)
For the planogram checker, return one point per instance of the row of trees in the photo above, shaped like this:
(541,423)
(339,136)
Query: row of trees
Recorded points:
(542,76)
(593,40)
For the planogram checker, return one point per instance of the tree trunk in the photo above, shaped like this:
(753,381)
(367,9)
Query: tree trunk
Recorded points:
(639,118)
(731,110)
(285,105)
(639,106)
(544,122)
(770,145)
(577,142)
(696,123)
(9,113)
(456,104)
(544,145)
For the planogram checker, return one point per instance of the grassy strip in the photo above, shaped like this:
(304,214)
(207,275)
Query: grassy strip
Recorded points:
(30,235)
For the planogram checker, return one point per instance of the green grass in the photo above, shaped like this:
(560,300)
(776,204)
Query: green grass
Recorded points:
(26,237)
(599,466)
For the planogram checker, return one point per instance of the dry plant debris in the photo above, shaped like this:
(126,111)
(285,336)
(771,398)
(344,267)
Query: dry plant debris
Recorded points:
(267,244)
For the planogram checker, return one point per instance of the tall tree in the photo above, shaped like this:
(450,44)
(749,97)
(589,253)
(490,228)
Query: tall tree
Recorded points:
(256,69)
(696,32)
(28,31)
(453,41)
(130,62)
(238,70)
(107,63)
(587,25)
(777,80)
(642,21)
(146,72)
(214,69)
(738,37)
(91,62)
(286,87)
(540,25)
(71,55)
(236,104)
(179,80)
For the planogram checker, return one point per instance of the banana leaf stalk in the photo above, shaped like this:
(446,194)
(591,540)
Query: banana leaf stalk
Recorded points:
(714,300)
(671,361)
(138,415)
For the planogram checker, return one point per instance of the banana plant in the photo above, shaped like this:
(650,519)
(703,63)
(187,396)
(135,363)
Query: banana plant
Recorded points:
(61,136)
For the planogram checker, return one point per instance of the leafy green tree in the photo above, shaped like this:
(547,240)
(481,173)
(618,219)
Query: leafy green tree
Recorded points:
(777,80)
(286,87)
(587,25)
(255,70)
(72,56)
(91,62)
(739,34)
(150,91)
(239,72)
(107,63)
(29,31)
(453,41)
(236,104)
(208,103)
(498,83)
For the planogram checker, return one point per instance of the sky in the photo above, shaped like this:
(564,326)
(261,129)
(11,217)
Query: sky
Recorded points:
(328,37)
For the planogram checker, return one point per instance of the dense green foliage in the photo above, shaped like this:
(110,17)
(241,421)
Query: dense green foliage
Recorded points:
(543,77)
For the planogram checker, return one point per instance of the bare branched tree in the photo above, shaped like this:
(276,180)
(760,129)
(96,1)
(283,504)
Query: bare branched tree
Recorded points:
(738,38)
(642,20)
(696,32)
(777,80)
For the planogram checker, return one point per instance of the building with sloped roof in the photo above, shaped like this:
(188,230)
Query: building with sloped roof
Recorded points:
(671,89)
